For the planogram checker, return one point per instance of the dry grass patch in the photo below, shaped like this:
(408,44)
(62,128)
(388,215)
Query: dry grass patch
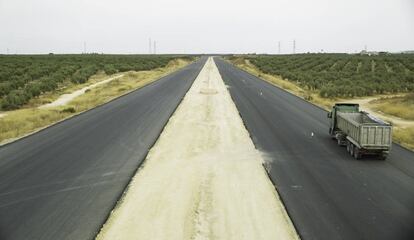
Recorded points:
(24,121)
(399,106)
(404,136)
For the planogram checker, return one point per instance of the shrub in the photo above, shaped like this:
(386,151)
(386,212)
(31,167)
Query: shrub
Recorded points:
(14,100)
(68,110)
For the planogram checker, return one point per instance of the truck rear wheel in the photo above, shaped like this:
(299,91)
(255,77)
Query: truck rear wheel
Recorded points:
(348,147)
(357,153)
(351,149)
(383,156)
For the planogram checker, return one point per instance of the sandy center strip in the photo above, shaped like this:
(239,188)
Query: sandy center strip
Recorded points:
(203,179)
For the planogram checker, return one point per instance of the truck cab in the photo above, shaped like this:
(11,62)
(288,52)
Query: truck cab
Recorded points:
(340,107)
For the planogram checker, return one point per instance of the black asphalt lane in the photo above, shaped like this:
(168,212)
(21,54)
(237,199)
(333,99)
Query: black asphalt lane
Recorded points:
(328,194)
(62,183)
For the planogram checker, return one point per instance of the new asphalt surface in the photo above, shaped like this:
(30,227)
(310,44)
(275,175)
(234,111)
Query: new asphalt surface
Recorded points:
(61,183)
(328,194)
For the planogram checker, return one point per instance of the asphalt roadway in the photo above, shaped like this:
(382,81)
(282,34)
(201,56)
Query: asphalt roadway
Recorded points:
(328,194)
(61,183)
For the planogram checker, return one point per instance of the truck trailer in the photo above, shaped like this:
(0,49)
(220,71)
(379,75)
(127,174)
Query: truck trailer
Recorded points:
(360,132)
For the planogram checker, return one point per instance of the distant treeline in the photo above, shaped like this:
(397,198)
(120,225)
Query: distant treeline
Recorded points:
(23,77)
(343,75)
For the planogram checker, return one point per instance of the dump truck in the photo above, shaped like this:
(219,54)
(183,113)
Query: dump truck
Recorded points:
(361,133)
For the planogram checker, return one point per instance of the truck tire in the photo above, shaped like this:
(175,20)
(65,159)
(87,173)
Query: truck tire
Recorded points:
(332,135)
(357,153)
(348,147)
(351,149)
(383,156)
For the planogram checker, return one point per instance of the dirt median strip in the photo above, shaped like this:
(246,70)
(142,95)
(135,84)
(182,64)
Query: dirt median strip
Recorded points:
(203,179)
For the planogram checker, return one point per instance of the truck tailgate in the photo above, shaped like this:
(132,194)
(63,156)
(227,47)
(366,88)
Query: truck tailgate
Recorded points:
(375,136)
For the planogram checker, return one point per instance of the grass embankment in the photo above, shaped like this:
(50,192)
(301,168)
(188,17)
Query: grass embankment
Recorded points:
(401,107)
(404,136)
(398,106)
(21,122)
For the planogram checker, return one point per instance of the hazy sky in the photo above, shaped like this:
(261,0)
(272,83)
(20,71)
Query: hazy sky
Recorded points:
(211,26)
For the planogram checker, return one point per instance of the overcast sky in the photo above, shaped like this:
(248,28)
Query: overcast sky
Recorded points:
(211,26)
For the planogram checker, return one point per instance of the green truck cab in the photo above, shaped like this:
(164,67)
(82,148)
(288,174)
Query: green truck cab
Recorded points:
(340,107)
(361,133)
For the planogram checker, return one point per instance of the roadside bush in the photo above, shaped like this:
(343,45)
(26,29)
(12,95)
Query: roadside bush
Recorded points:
(33,89)
(14,100)
(109,69)
(68,110)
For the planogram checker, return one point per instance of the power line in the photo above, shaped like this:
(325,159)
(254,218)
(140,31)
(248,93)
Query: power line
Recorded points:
(278,50)
(294,46)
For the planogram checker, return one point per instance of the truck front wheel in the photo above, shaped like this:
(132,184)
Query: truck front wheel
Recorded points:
(332,134)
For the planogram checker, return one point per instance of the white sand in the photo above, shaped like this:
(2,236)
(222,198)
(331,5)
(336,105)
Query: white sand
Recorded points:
(203,179)
(65,98)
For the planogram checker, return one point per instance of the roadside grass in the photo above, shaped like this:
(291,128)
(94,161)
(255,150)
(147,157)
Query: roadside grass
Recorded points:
(30,118)
(23,121)
(404,136)
(399,106)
